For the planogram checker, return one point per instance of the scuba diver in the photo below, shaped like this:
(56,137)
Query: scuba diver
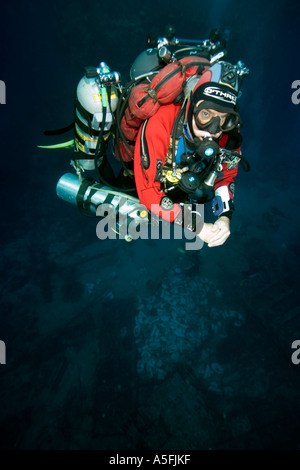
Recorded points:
(208,121)
(175,130)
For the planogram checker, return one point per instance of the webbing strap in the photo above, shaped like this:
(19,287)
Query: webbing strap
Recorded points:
(82,190)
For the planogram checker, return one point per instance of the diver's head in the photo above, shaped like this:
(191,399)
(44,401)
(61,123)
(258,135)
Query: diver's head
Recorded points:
(212,107)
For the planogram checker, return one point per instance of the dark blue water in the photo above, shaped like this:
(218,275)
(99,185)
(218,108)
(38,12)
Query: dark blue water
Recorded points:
(142,345)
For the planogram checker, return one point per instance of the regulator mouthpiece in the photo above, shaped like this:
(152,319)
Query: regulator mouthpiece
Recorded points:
(206,148)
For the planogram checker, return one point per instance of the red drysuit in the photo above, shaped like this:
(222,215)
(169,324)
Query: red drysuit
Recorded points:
(152,145)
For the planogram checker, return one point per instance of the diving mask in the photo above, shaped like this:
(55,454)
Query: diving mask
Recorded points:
(206,119)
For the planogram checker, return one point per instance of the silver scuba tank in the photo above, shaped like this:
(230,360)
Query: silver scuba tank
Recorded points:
(92,96)
(90,196)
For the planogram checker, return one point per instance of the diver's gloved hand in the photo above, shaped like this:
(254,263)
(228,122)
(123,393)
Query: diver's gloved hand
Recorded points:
(206,232)
(216,234)
(219,232)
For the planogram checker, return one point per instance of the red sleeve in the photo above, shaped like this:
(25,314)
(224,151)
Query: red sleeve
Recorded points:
(227,180)
(149,157)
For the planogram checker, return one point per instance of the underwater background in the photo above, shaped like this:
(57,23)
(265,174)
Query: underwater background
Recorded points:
(143,345)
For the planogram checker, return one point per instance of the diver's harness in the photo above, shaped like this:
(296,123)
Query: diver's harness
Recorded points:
(197,173)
